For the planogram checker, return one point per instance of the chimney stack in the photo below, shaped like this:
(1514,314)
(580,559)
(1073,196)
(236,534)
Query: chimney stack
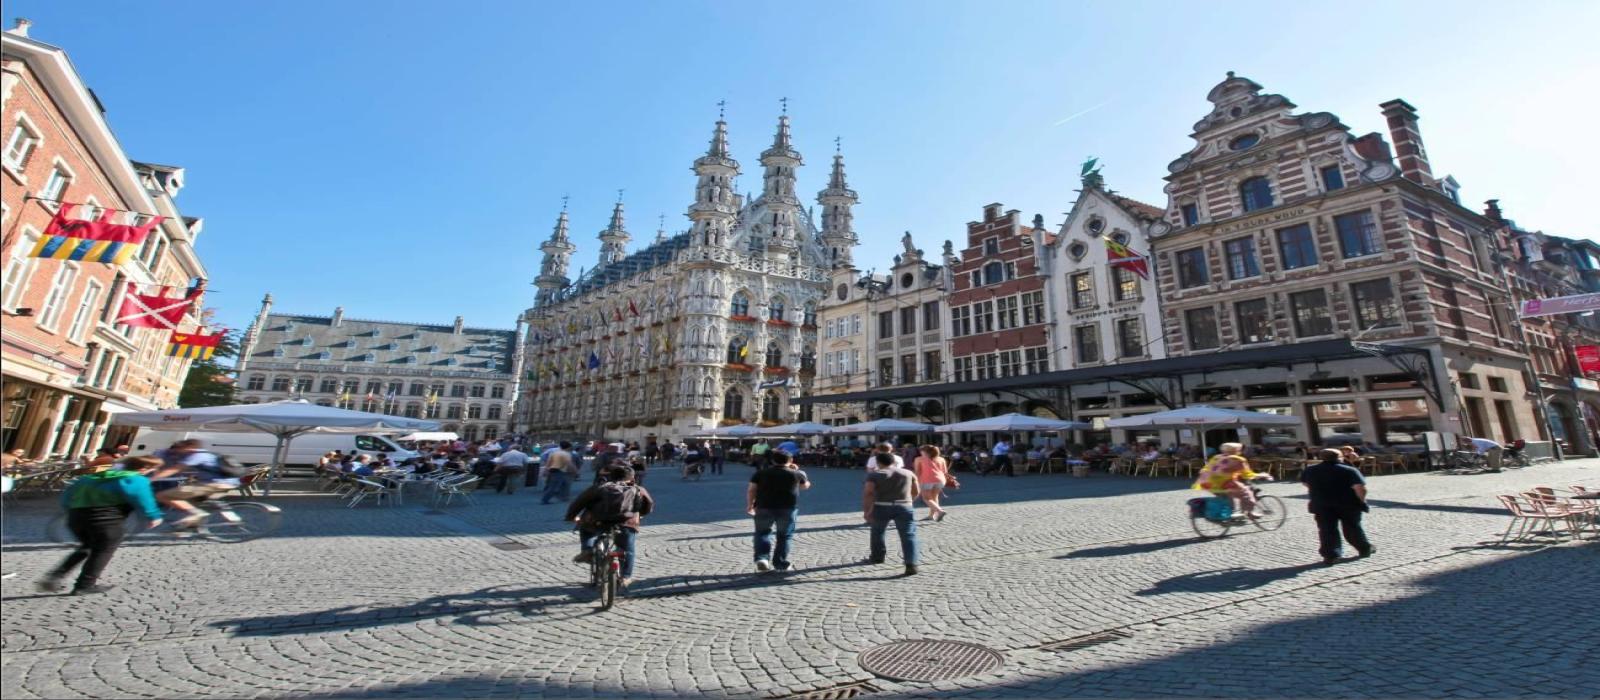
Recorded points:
(1402,119)
(1491,211)
(459,322)
(21,29)
(338,316)
(992,211)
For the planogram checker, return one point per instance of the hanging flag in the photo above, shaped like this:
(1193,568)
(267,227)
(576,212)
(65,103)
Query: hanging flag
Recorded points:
(773,383)
(389,397)
(151,310)
(744,351)
(616,313)
(433,397)
(1588,358)
(634,310)
(345,397)
(644,347)
(594,360)
(1118,255)
(372,396)
(198,346)
(94,241)
(572,326)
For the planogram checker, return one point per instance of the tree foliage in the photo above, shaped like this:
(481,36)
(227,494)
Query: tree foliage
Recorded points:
(210,383)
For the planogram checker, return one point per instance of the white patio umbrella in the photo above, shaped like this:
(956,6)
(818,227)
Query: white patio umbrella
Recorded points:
(1201,417)
(801,429)
(736,431)
(283,419)
(882,425)
(1012,423)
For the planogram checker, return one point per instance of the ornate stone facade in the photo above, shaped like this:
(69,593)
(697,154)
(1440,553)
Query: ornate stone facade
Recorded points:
(715,325)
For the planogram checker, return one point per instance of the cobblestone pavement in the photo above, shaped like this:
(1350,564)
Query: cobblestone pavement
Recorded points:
(413,602)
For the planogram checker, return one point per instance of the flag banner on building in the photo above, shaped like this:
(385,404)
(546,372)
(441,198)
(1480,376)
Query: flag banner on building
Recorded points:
(594,360)
(433,397)
(616,313)
(774,383)
(344,397)
(1576,303)
(634,310)
(1588,358)
(93,241)
(152,310)
(196,346)
(196,292)
(371,397)
(1118,255)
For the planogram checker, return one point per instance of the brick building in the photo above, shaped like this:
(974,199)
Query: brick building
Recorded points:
(998,326)
(1284,228)
(67,365)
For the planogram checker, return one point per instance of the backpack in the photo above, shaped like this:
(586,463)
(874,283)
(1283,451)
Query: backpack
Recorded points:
(617,502)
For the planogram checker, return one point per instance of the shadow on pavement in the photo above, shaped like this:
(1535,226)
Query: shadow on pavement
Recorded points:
(1225,580)
(474,608)
(1118,550)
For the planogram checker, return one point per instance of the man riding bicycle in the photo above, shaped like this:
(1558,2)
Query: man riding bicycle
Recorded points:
(617,503)
(203,476)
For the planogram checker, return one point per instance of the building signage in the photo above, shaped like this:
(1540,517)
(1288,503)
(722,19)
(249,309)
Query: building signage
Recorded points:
(1263,220)
(1560,305)
(1588,358)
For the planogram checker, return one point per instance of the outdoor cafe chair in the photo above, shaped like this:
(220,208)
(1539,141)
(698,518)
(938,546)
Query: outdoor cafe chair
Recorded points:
(365,489)
(1525,518)
(1582,513)
(448,491)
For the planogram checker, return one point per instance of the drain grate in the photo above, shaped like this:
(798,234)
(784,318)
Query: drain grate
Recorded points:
(508,546)
(1085,642)
(929,660)
(838,692)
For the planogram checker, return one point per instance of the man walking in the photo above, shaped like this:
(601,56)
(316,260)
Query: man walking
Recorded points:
(97,506)
(888,496)
(510,464)
(1338,498)
(1002,457)
(773,500)
(884,448)
(559,471)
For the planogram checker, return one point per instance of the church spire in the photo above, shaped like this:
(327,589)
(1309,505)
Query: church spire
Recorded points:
(557,253)
(614,239)
(838,231)
(715,204)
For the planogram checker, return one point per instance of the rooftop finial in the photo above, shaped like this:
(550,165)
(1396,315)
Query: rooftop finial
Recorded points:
(837,149)
(722,106)
(1230,75)
(564,199)
(619,195)
(785,102)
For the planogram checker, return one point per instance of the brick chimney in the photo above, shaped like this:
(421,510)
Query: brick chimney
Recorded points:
(338,316)
(1373,147)
(1402,119)
(1491,211)
(992,211)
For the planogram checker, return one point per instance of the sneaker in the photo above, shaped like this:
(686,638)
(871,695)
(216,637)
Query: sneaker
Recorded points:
(763,565)
(911,569)
(583,558)
(49,584)
(93,590)
(786,567)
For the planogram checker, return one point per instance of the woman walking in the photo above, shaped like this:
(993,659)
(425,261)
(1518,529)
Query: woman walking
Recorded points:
(933,473)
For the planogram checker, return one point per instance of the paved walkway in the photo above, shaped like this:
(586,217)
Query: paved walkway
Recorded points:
(409,602)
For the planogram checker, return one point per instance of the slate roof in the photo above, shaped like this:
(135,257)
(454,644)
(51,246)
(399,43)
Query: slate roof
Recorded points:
(388,344)
(656,255)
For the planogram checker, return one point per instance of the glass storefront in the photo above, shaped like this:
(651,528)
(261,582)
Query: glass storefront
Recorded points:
(1401,422)
(1335,423)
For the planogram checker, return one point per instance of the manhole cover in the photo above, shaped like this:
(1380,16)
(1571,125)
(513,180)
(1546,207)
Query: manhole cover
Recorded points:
(929,660)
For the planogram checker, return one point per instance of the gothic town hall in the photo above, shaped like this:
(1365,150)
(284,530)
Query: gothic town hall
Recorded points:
(710,327)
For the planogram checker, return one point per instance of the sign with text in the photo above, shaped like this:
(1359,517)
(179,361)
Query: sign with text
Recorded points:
(1588,358)
(1560,305)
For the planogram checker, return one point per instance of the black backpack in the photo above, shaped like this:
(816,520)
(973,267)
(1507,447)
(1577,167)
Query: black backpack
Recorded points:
(618,501)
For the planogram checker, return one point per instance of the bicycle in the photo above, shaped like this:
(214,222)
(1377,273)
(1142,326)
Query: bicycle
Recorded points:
(1213,517)
(605,566)
(227,522)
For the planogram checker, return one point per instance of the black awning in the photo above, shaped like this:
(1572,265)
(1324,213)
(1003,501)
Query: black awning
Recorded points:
(1276,356)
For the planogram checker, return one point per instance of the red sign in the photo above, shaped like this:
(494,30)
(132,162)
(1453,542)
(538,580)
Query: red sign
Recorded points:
(1588,358)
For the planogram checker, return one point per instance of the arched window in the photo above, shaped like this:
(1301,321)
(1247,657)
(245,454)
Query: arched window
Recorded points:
(413,410)
(810,317)
(453,412)
(733,405)
(741,305)
(775,309)
(1255,193)
(771,406)
(738,351)
(994,273)
(474,412)
(774,354)
(494,412)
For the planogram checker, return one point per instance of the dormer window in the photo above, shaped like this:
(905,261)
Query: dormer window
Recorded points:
(1244,141)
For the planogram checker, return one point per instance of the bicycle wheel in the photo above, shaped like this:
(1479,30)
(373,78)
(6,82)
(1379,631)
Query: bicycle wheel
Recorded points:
(1207,528)
(232,523)
(609,582)
(1272,512)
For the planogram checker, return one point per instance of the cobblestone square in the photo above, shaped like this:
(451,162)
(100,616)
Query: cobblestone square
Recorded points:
(408,601)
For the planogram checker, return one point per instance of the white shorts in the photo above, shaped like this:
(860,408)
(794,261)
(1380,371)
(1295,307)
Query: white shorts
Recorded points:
(933,487)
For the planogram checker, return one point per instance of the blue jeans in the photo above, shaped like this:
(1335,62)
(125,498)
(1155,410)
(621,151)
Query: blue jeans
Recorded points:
(558,484)
(905,523)
(625,540)
(781,520)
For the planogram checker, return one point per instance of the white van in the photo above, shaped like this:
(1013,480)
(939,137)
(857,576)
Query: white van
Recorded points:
(256,448)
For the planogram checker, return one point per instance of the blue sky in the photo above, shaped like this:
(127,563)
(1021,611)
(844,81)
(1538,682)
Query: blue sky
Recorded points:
(405,159)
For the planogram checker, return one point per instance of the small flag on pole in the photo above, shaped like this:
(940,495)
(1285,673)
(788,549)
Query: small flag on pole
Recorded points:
(1118,255)
(198,346)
